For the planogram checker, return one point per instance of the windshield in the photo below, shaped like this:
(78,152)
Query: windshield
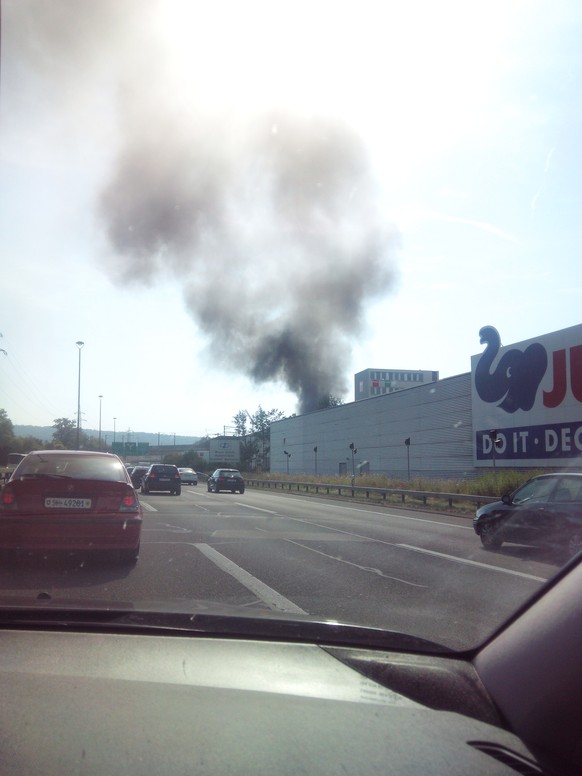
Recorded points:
(348,235)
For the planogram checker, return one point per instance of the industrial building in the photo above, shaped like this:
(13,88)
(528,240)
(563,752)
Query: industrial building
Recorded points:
(519,407)
(376,382)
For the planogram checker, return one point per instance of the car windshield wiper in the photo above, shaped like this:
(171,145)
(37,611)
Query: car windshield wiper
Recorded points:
(267,625)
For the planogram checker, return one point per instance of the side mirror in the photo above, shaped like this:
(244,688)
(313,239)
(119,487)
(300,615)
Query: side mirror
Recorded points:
(506,498)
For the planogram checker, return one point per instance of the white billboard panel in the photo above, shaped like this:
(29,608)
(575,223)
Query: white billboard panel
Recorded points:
(530,394)
(224,450)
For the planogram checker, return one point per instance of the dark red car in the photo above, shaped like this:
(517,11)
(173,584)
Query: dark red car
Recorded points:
(71,500)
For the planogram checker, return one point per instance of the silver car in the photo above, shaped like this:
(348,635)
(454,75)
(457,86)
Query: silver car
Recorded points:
(188,476)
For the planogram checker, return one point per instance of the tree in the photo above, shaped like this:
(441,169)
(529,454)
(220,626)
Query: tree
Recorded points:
(27,443)
(65,434)
(329,400)
(240,423)
(256,445)
(6,435)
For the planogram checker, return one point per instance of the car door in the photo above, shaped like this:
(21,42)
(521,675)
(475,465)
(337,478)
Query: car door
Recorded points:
(563,512)
(531,517)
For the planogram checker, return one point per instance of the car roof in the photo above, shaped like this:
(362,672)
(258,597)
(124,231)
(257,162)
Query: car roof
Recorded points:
(73,452)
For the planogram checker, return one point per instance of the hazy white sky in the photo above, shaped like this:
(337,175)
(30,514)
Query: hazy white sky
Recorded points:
(137,197)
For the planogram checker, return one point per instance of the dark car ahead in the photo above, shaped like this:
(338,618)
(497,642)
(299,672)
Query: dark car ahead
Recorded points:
(162,477)
(226,479)
(545,512)
(71,500)
(137,474)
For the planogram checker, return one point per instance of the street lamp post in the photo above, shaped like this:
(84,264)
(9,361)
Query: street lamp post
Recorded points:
(315,455)
(354,451)
(79,344)
(100,399)
(288,456)
(496,443)
(407,443)
(114,421)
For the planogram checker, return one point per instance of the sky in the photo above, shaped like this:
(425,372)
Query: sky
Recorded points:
(236,205)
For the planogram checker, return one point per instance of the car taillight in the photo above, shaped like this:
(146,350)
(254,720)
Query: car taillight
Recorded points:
(8,497)
(129,502)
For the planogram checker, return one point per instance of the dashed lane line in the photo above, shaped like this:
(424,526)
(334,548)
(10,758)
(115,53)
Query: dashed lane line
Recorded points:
(272,598)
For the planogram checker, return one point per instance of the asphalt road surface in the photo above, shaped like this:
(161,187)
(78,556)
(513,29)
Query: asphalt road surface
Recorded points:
(416,572)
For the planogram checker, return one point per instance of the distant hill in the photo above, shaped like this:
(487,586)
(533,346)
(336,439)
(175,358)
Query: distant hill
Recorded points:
(45,434)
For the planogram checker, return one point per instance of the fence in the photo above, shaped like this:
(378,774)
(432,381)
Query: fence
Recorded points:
(364,490)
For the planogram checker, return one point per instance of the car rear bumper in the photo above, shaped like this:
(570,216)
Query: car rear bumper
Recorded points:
(70,533)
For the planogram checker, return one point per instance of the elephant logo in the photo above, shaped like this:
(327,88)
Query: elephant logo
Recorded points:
(517,376)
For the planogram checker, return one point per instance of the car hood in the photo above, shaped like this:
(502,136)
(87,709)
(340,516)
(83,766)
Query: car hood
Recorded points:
(495,506)
(202,617)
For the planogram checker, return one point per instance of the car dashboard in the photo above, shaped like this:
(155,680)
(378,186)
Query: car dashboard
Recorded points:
(120,703)
(97,691)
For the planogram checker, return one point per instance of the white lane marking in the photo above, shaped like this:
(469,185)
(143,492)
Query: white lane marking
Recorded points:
(148,506)
(271,597)
(428,552)
(472,562)
(371,569)
(379,514)
(400,517)
(259,509)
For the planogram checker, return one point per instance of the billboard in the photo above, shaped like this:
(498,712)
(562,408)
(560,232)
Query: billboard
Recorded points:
(224,450)
(527,400)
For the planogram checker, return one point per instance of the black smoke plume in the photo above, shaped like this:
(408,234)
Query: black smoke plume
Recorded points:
(270,218)
(279,230)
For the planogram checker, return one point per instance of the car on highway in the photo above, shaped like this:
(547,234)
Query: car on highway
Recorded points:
(546,511)
(162,477)
(71,500)
(226,479)
(188,476)
(137,474)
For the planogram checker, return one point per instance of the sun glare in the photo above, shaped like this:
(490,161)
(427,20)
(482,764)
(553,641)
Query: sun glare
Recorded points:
(411,77)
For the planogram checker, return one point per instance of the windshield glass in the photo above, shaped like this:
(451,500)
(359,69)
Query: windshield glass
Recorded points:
(348,235)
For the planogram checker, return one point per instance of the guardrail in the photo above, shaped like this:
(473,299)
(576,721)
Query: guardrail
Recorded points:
(384,493)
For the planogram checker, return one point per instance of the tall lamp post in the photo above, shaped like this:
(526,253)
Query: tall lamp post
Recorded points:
(496,443)
(315,455)
(354,451)
(288,456)
(100,399)
(407,443)
(79,344)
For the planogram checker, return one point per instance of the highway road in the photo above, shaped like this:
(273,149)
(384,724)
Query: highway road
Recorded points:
(416,572)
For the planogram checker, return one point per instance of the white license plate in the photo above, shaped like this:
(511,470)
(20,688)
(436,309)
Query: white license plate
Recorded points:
(67,503)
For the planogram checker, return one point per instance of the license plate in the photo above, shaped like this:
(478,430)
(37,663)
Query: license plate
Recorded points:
(67,503)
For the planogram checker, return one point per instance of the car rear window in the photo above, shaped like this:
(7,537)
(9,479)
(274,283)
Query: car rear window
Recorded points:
(86,467)
(164,469)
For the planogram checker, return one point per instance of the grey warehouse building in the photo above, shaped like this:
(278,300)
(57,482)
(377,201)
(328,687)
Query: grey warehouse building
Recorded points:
(436,417)
(519,407)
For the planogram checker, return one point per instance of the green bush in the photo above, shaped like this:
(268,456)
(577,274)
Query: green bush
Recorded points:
(489,484)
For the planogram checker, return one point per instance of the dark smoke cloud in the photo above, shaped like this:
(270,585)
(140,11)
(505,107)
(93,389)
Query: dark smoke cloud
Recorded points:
(271,218)
(279,229)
